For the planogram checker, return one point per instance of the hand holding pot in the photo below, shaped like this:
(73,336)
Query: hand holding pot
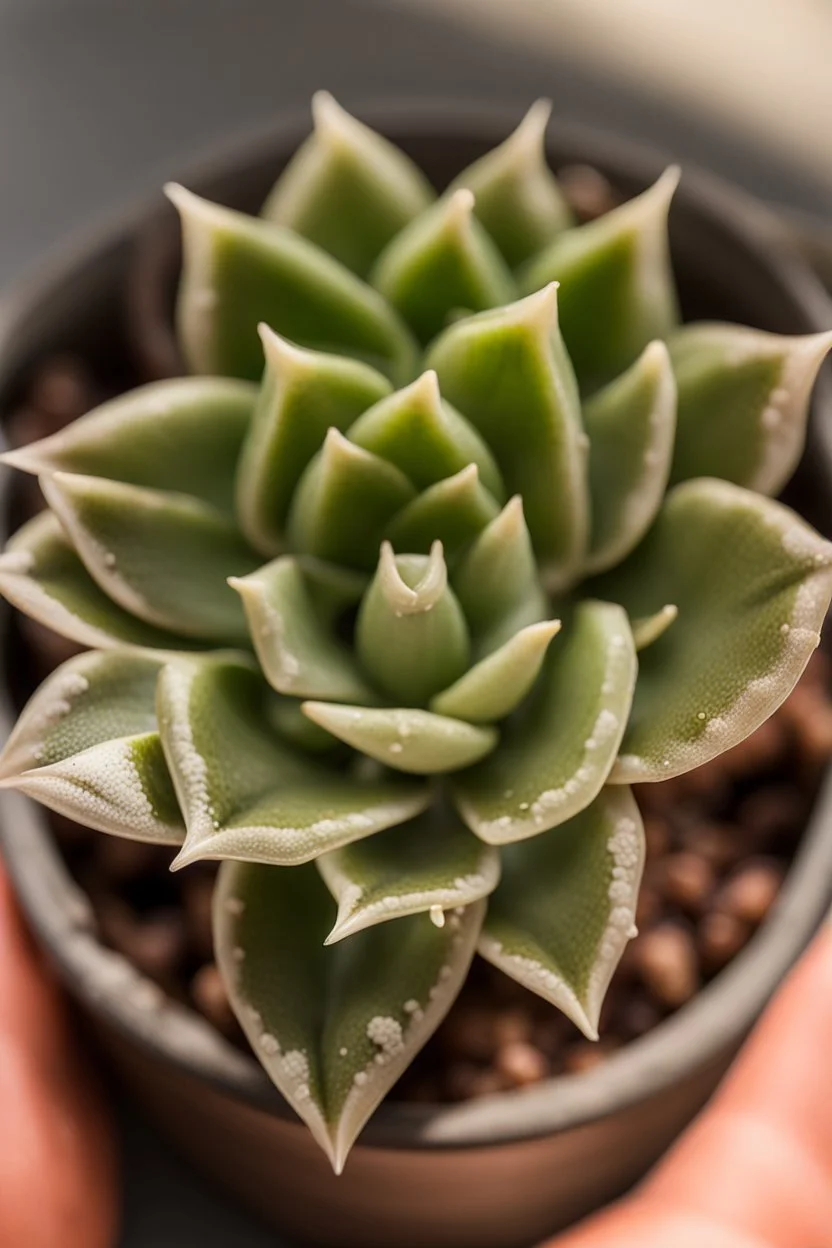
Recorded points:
(756,1168)
(57,1156)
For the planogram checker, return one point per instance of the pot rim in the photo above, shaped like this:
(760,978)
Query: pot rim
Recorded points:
(702,1032)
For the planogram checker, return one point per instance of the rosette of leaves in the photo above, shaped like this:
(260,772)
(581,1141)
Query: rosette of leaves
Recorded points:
(391,624)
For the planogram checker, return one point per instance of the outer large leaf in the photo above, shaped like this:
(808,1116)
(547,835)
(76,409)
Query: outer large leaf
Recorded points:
(752,583)
(616,285)
(431,864)
(565,907)
(425,437)
(336,1027)
(518,199)
(492,688)
(630,424)
(41,575)
(163,557)
(554,760)
(442,261)
(298,651)
(743,402)
(508,373)
(344,502)
(239,271)
(409,740)
(497,581)
(304,393)
(347,189)
(411,635)
(243,792)
(453,511)
(184,434)
(86,745)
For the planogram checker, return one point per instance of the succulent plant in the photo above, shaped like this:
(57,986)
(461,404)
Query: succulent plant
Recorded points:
(392,630)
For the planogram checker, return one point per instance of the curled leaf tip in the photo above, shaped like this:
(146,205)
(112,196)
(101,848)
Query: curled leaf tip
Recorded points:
(651,627)
(412,583)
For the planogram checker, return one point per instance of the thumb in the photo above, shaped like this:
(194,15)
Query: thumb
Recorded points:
(756,1167)
(57,1157)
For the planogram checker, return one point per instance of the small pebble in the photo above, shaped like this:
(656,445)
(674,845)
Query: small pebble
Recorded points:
(750,892)
(688,880)
(666,957)
(521,1063)
(588,193)
(584,1056)
(719,938)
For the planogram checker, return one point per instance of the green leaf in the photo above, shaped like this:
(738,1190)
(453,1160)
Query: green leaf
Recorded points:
(42,576)
(453,511)
(518,199)
(184,434)
(564,909)
(743,402)
(344,502)
(411,636)
(616,285)
(441,261)
(333,589)
(163,557)
(507,372)
(239,271)
(432,863)
(752,583)
(244,793)
(425,437)
(304,393)
(347,189)
(407,739)
(298,651)
(497,581)
(86,745)
(553,761)
(498,683)
(631,424)
(336,1027)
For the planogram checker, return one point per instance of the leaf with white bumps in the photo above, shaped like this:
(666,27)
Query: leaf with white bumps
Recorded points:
(743,402)
(616,283)
(41,575)
(86,745)
(298,651)
(442,261)
(405,738)
(630,425)
(347,189)
(164,557)
(247,794)
(183,434)
(564,909)
(334,1027)
(751,583)
(508,373)
(518,199)
(432,863)
(555,759)
(239,271)
(303,394)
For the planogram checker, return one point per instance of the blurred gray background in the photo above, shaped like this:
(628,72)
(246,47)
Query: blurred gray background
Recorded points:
(104,99)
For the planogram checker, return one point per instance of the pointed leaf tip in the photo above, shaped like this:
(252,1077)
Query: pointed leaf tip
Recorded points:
(406,739)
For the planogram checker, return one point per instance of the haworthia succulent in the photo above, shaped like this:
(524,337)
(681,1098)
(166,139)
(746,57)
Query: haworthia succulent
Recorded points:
(336,1027)
(386,564)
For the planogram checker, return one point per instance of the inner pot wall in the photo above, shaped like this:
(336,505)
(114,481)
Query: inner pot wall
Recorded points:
(506,1170)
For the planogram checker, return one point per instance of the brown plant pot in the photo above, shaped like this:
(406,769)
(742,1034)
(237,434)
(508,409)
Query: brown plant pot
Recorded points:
(503,1171)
